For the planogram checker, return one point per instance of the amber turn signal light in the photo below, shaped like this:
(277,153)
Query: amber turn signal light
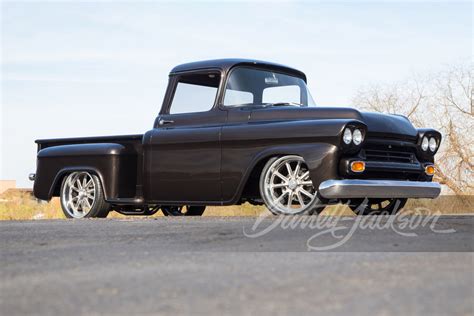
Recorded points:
(430,170)
(357,166)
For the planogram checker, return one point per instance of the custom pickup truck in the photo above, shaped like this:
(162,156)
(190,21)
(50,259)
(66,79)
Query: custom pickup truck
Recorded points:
(232,131)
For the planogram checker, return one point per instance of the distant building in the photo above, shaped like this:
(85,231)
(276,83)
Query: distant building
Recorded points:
(6,185)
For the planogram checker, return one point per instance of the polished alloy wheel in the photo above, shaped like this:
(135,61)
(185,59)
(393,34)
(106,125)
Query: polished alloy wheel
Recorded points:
(79,194)
(287,187)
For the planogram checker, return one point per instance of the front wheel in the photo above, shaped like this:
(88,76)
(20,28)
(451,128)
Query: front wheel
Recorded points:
(377,206)
(287,189)
(82,196)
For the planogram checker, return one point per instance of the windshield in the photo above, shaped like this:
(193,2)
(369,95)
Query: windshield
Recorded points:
(250,86)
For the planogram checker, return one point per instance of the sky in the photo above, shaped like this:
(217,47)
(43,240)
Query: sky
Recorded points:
(101,68)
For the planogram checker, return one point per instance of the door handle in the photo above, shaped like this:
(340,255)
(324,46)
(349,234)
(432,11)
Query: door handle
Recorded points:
(162,122)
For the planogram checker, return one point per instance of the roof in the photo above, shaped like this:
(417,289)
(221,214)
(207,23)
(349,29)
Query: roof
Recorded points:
(228,63)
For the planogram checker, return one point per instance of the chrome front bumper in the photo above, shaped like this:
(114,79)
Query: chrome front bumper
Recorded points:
(346,189)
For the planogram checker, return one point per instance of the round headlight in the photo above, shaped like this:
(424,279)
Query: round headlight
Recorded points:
(424,143)
(433,145)
(347,137)
(357,136)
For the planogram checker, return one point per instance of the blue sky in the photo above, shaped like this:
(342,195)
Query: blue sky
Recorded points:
(100,68)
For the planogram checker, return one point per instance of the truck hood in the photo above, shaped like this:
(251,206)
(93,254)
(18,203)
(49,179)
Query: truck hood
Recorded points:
(377,123)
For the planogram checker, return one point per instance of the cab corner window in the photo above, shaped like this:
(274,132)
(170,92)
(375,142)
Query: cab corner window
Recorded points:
(195,93)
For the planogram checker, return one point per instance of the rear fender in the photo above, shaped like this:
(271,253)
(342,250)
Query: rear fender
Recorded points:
(114,164)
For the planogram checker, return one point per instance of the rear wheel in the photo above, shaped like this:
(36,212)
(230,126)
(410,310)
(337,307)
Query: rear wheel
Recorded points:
(377,206)
(82,196)
(287,189)
(194,210)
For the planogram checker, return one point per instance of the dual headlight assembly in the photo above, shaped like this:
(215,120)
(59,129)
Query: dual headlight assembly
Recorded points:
(352,135)
(429,142)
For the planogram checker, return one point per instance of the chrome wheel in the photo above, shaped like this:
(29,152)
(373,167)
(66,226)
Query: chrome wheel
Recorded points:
(287,187)
(78,194)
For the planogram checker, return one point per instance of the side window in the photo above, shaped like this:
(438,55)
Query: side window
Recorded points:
(287,93)
(195,93)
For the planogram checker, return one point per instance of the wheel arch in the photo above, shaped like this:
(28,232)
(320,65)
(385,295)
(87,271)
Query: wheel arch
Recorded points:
(250,187)
(64,172)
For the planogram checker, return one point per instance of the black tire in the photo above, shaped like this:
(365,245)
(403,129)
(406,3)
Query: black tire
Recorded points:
(384,206)
(193,210)
(315,205)
(99,207)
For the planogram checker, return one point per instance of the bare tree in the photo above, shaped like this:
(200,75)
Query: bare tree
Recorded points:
(444,101)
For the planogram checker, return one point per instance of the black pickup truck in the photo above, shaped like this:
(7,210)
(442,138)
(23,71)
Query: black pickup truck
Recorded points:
(233,131)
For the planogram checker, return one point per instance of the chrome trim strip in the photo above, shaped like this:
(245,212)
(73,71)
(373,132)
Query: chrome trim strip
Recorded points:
(357,188)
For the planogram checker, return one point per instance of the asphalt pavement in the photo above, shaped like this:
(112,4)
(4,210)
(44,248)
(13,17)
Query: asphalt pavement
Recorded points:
(238,265)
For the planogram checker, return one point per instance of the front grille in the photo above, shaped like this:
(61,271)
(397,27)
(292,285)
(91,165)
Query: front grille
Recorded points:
(390,153)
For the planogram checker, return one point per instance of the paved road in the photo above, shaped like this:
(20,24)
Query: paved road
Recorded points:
(208,266)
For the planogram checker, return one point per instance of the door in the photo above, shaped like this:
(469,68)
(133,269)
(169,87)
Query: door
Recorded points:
(183,157)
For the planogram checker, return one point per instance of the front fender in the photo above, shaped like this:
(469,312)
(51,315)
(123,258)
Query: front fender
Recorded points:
(321,159)
(244,146)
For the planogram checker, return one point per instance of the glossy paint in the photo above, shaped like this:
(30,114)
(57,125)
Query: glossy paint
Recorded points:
(214,157)
(113,163)
(183,159)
